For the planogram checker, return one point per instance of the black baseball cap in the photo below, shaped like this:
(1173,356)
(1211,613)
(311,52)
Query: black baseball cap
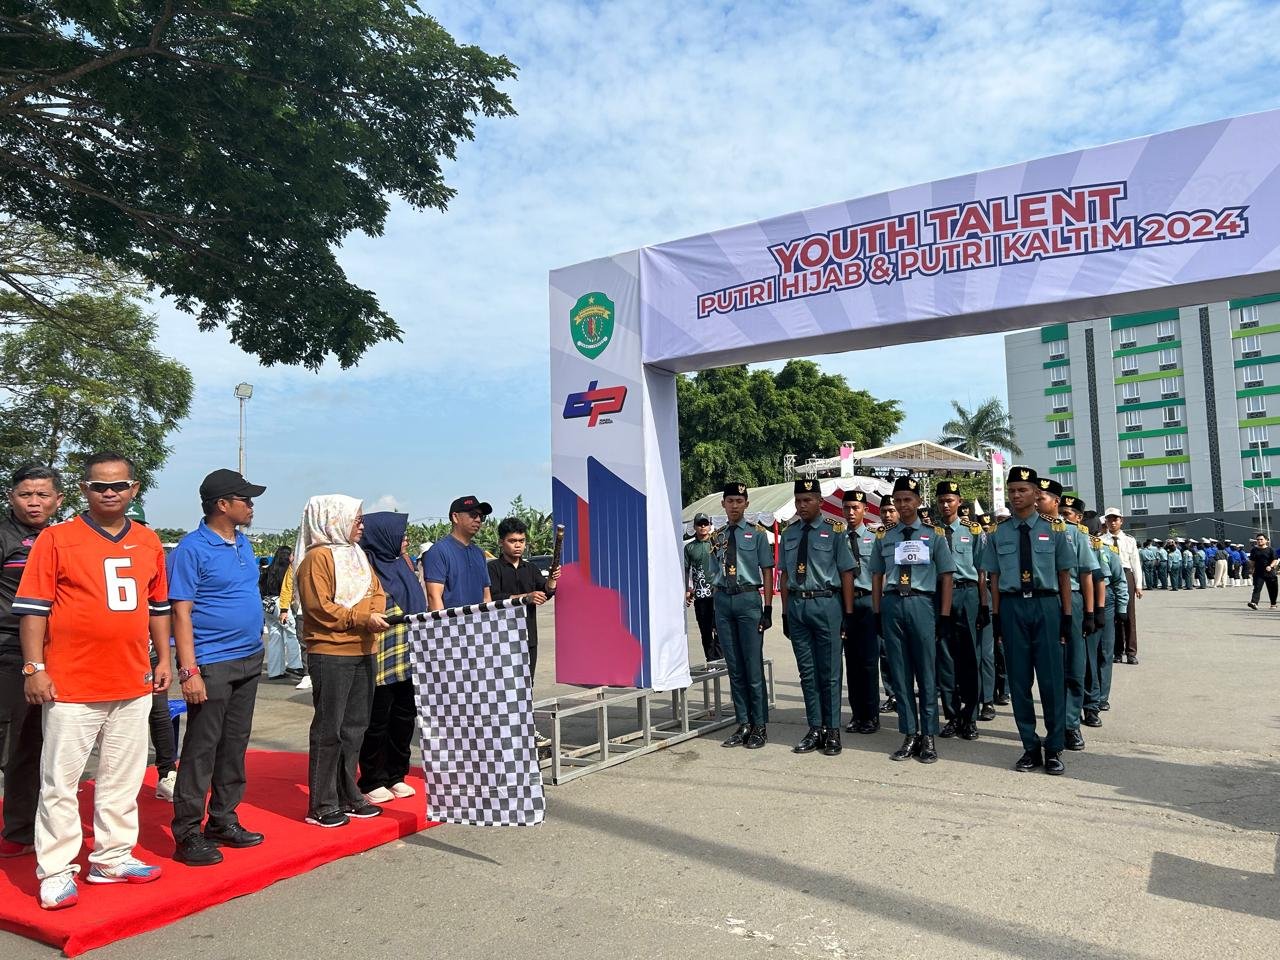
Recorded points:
(467,504)
(700,519)
(222,484)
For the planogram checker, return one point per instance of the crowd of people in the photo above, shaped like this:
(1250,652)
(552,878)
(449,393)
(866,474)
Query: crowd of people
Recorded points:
(94,616)
(1182,564)
(956,613)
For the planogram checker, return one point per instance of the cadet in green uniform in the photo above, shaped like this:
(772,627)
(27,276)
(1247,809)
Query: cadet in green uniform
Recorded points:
(743,561)
(910,565)
(992,662)
(817,598)
(1028,560)
(888,515)
(960,681)
(1112,598)
(861,639)
(1175,568)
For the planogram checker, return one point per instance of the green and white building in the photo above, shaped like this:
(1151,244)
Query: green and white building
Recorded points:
(1173,415)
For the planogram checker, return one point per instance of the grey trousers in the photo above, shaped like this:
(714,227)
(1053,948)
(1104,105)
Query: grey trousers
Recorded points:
(342,692)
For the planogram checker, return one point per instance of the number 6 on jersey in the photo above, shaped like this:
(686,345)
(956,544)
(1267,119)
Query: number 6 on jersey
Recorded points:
(122,592)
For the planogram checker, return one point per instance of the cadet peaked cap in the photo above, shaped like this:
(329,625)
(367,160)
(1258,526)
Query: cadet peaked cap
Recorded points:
(735,489)
(1049,485)
(808,486)
(886,501)
(854,496)
(947,486)
(1073,503)
(908,484)
(1023,475)
(467,504)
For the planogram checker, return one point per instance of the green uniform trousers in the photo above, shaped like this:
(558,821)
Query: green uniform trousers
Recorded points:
(910,640)
(815,638)
(1073,663)
(738,628)
(1032,651)
(959,679)
(1097,649)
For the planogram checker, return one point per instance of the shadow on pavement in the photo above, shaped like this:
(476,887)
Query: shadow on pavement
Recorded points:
(1206,884)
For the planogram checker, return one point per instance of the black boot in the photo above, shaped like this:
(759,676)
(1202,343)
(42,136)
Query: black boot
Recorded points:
(757,738)
(809,742)
(738,737)
(831,743)
(907,750)
(927,753)
(948,730)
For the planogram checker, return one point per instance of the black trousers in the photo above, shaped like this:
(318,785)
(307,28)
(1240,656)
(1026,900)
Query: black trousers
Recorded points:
(704,609)
(214,746)
(342,693)
(20,751)
(161,725)
(862,663)
(388,743)
(1260,580)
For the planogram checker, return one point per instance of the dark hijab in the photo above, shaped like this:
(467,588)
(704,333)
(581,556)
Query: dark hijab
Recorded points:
(383,534)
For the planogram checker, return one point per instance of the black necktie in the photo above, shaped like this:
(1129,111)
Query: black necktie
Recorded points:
(802,553)
(1024,557)
(731,553)
(946,528)
(904,573)
(857,557)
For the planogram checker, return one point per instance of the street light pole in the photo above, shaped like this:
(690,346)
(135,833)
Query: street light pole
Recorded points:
(243,392)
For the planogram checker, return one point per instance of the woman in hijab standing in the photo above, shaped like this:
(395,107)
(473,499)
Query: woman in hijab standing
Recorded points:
(342,614)
(384,757)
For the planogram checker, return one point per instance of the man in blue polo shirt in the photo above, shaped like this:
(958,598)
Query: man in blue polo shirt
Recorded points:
(217,628)
(455,570)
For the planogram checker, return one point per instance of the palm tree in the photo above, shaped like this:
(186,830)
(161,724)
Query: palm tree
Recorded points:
(987,428)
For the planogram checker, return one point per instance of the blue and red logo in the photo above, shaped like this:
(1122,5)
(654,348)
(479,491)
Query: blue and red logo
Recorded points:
(594,402)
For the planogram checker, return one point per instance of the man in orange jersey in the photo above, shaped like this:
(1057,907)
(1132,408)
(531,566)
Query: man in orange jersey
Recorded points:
(92,590)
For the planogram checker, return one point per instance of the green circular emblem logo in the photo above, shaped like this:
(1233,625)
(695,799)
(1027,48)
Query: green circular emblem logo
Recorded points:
(591,324)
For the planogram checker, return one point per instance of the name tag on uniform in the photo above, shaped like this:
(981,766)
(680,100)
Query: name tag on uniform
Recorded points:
(964,539)
(747,536)
(911,553)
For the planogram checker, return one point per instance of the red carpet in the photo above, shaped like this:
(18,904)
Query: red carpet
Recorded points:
(275,803)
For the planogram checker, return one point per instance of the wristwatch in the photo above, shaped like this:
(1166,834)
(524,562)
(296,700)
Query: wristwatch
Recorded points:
(31,668)
(184,674)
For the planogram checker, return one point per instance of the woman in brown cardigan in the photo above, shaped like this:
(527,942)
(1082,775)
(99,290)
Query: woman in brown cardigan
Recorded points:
(342,615)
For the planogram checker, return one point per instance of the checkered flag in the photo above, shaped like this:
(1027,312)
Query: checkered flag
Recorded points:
(475,704)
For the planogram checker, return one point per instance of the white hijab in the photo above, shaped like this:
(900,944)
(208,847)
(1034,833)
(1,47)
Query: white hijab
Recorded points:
(326,522)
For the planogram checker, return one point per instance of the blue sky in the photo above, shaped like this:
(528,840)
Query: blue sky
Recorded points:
(644,121)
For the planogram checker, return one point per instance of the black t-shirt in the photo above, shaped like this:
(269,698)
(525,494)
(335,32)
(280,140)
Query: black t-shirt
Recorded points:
(507,581)
(1261,558)
(15,543)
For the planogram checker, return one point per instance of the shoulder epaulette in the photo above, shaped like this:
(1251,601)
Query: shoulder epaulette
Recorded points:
(1058,526)
(939,530)
(1113,548)
(1082,528)
(975,528)
(1095,542)
(836,525)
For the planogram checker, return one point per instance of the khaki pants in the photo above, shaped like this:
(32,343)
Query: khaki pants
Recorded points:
(119,729)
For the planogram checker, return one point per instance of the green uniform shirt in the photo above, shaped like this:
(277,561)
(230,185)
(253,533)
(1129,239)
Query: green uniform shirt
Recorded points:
(697,566)
(1175,560)
(1112,572)
(754,553)
(829,556)
(1052,550)
(862,540)
(923,576)
(964,543)
(1086,560)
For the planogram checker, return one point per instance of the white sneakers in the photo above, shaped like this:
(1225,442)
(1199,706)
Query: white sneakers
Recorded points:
(401,790)
(165,786)
(59,891)
(379,795)
(304,683)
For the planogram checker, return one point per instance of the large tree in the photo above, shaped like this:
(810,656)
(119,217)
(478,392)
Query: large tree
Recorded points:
(66,395)
(222,150)
(739,424)
(987,428)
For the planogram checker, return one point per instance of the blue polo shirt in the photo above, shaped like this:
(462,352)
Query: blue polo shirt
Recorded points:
(462,569)
(221,581)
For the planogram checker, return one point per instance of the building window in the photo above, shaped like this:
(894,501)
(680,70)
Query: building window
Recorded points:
(1257,436)
(1133,420)
(1178,502)
(1060,402)
(1170,388)
(1068,480)
(1135,476)
(1061,428)
(1250,347)
(1252,376)
(1173,445)
(1128,366)
(1062,456)
(1166,330)
(1058,376)
(1255,407)
(1138,505)
(1173,416)
(1248,317)
(1131,393)
(1262,495)
(1057,349)
(1259,468)
(1133,449)
(1127,338)
(1176,473)
(1169,359)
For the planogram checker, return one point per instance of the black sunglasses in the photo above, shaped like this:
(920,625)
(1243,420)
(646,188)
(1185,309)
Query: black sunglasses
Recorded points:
(102,486)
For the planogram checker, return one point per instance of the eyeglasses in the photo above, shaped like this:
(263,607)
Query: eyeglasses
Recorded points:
(247,501)
(115,486)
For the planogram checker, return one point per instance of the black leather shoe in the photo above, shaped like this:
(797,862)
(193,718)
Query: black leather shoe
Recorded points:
(1117,659)
(988,712)
(1029,761)
(195,851)
(232,836)
(890,705)
(1132,660)
(1053,764)
(927,753)
(907,750)
(1091,718)
(851,727)
(969,731)
(1105,705)
(831,743)
(1074,739)
(809,742)
(1251,605)
(869,726)
(948,730)
(757,738)
(738,737)
(1002,700)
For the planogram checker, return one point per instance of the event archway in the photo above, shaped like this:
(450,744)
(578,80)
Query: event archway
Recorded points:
(1187,216)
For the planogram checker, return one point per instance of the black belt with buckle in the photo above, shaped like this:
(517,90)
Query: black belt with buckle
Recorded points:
(859,593)
(740,588)
(812,594)
(1027,594)
(963,584)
